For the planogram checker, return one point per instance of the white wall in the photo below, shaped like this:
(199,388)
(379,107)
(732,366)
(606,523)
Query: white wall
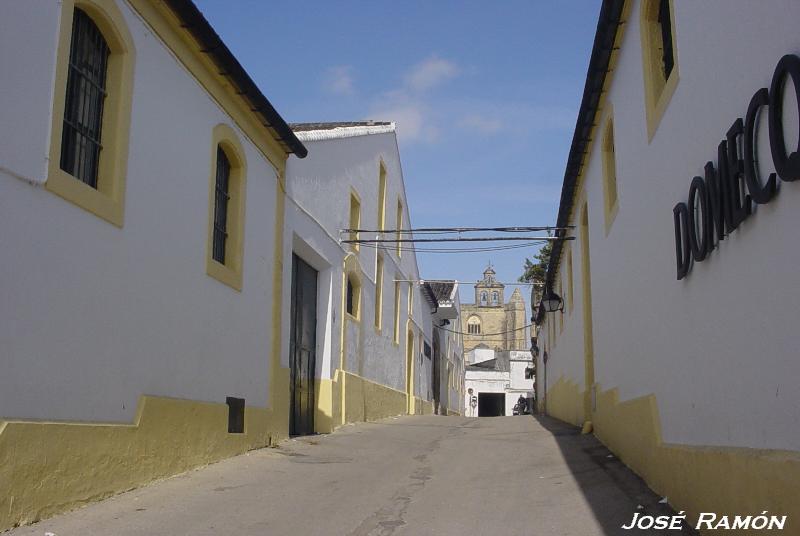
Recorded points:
(319,188)
(93,316)
(719,348)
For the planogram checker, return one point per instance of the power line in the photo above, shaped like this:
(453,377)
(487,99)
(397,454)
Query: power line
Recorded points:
(486,334)
(461,229)
(453,250)
(459,239)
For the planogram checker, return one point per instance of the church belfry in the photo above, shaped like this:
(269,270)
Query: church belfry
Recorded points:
(488,292)
(491,321)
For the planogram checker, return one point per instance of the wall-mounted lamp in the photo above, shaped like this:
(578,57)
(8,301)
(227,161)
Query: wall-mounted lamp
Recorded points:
(534,347)
(552,302)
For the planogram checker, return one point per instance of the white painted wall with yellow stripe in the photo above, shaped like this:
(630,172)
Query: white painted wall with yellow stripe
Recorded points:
(694,380)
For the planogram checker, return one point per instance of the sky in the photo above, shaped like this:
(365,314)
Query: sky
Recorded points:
(484,94)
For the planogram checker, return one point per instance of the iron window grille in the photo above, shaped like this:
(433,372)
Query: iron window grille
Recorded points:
(665,23)
(221,198)
(86,93)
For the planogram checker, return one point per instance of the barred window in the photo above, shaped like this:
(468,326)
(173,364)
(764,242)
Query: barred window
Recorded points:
(86,93)
(221,198)
(665,24)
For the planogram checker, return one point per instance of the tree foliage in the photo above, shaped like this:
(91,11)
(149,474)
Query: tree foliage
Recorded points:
(536,271)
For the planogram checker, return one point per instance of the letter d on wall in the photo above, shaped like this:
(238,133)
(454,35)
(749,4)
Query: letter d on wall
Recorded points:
(683,255)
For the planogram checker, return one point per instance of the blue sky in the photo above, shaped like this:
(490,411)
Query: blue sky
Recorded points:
(484,94)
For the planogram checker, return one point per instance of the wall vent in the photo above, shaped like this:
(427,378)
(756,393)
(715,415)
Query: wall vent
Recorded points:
(235,415)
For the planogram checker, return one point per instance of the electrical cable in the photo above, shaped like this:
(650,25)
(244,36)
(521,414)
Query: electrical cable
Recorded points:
(486,334)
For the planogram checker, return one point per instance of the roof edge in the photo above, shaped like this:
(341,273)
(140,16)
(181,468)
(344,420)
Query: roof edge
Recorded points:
(608,24)
(344,132)
(196,24)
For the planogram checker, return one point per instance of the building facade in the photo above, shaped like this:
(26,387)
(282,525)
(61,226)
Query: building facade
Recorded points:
(677,341)
(365,356)
(142,205)
(448,346)
(495,385)
(492,321)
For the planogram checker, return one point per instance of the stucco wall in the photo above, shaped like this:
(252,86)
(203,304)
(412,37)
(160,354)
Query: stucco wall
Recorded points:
(318,191)
(717,349)
(93,316)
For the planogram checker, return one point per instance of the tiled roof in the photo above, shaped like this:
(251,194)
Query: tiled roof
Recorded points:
(305,127)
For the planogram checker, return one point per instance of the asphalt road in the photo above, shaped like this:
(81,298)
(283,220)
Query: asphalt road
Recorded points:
(401,476)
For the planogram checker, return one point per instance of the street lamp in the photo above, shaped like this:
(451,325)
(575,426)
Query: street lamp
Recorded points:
(552,302)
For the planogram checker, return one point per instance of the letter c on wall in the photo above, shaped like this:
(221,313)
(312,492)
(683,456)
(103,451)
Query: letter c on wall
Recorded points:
(787,166)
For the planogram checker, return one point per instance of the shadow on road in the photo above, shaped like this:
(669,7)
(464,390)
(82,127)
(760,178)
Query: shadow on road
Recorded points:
(601,477)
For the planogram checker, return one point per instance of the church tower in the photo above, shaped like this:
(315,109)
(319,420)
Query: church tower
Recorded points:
(490,321)
(488,292)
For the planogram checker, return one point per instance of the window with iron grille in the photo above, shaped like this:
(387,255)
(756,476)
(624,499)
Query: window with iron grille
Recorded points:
(86,93)
(665,24)
(221,198)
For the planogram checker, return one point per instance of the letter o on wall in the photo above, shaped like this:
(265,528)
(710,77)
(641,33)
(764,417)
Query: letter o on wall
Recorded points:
(787,166)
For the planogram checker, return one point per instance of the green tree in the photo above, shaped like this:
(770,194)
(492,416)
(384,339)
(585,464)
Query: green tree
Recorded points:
(536,271)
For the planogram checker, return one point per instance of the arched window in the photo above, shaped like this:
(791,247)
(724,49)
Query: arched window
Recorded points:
(495,298)
(609,173)
(484,298)
(91,109)
(227,190)
(660,58)
(474,325)
(83,106)
(352,295)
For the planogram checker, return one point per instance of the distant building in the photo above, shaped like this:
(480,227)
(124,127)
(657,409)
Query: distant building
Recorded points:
(492,321)
(494,386)
(448,347)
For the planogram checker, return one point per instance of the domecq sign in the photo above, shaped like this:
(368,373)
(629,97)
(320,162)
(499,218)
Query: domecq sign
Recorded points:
(722,199)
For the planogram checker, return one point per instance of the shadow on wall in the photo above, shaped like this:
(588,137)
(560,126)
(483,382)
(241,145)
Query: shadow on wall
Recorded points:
(601,476)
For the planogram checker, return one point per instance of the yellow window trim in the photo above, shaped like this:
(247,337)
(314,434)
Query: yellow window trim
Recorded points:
(657,91)
(609,158)
(356,279)
(168,28)
(108,200)
(350,220)
(570,279)
(396,334)
(399,226)
(379,264)
(381,195)
(229,273)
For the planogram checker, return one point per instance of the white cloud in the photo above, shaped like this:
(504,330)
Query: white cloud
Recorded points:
(339,80)
(430,73)
(411,117)
(486,125)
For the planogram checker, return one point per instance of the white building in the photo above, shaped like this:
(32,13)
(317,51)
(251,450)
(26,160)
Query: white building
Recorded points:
(142,239)
(682,354)
(448,346)
(495,385)
(360,346)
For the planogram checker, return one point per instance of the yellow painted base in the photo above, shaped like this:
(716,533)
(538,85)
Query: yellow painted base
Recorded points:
(453,413)
(425,407)
(324,416)
(51,467)
(723,480)
(366,400)
(565,401)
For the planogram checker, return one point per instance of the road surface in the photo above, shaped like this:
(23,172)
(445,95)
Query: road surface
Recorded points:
(414,475)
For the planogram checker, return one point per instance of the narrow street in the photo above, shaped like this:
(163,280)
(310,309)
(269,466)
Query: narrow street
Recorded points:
(406,475)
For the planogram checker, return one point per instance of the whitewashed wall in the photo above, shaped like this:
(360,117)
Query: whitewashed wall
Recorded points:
(93,316)
(319,189)
(719,348)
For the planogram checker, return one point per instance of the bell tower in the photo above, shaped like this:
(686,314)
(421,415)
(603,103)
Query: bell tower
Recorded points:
(488,292)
